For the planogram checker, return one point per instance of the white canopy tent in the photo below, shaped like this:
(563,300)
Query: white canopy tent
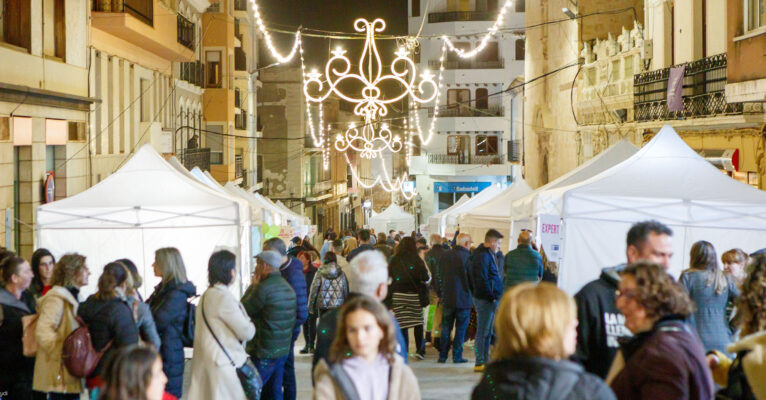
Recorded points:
(451,217)
(667,181)
(393,217)
(436,221)
(494,213)
(146,205)
(524,211)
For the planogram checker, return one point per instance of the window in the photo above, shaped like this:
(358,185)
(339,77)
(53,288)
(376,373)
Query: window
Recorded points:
(214,141)
(446,200)
(457,145)
(482,99)
(486,145)
(145,104)
(415,8)
(76,131)
(17,22)
(213,62)
(55,34)
(755,14)
(520,6)
(520,48)
(458,102)
(452,56)
(490,53)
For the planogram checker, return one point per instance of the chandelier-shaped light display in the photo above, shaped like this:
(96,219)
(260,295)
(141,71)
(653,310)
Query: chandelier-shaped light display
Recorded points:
(373,137)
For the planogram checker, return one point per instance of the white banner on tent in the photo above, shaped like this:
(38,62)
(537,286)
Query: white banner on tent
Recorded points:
(550,235)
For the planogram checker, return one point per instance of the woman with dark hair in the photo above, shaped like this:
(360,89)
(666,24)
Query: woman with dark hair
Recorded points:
(169,309)
(57,311)
(665,358)
(17,370)
(409,277)
(309,327)
(147,330)
(710,290)
(42,266)
(220,328)
(109,317)
(364,363)
(134,373)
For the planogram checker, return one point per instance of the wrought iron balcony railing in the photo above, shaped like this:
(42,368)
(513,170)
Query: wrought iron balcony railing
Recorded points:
(464,159)
(192,72)
(467,64)
(195,158)
(452,16)
(704,82)
(185,32)
(141,9)
(463,111)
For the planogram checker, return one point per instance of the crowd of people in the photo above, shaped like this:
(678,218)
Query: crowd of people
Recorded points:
(636,332)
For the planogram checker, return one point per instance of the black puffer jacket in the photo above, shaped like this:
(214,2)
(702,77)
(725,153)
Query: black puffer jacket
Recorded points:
(271,305)
(17,370)
(168,304)
(537,378)
(329,288)
(108,321)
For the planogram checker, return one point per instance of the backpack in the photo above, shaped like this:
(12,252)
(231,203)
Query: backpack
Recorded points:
(78,355)
(187,330)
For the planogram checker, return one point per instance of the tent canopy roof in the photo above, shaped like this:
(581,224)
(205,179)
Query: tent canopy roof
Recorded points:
(669,181)
(526,206)
(145,192)
(498,208)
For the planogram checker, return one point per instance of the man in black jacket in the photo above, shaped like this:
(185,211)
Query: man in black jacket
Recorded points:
(364,244)
(455,294)
(600,322)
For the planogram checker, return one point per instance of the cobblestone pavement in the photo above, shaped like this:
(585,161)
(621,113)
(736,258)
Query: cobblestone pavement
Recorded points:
(437,381)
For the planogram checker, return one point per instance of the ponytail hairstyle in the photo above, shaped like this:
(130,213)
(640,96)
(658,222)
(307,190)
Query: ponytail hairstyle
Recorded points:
(114,275)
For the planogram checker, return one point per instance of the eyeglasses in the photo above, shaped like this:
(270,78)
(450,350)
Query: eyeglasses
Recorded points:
(628,294)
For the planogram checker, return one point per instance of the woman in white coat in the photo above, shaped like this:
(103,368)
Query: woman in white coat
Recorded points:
(212,374)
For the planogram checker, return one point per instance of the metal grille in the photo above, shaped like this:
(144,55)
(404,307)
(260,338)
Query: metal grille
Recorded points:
(463,159)
(704,82)
(196,158)
(185,32)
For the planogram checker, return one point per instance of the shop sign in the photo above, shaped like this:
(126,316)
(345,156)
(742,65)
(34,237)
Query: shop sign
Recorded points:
(460,187)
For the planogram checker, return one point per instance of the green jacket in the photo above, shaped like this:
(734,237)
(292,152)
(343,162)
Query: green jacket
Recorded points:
(523,264)
(271,304)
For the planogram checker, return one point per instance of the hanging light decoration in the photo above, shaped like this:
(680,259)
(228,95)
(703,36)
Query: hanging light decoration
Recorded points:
(373,137)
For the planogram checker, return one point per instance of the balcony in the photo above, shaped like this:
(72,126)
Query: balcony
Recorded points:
(240,119)
(192,72)
(185,32)
(239,167)
(463,111)
(704,82)
(465,159)
(135,22)
(195,158)
(453,16)
(467,64)
(240,5)
(240,59)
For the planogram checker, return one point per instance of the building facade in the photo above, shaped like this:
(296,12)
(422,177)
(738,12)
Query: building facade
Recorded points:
(474,139)
(618,88)
(43,118)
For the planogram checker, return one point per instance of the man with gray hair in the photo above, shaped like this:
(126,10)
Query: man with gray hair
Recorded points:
(367,274)
(292,270)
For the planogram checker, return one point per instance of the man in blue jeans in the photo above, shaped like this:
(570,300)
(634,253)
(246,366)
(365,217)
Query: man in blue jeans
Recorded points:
(292,270)
(454,291)
(270,303)
(487,290)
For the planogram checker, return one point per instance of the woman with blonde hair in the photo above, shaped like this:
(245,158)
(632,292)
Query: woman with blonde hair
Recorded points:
(536,327)
(710,290)
(349,244)
(58,311)
(169,309)
(364,364)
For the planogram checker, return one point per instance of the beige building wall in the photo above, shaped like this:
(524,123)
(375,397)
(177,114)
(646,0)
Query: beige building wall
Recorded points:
(31,94)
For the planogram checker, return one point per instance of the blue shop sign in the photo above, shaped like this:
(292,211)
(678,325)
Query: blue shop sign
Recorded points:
(460,187)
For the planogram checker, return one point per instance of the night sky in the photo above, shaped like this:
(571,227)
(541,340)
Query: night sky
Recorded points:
(333,15)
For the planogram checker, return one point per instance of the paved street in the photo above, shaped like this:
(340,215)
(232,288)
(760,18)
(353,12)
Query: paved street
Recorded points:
(437,381)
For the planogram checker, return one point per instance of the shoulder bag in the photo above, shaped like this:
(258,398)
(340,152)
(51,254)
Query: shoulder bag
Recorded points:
(248,376)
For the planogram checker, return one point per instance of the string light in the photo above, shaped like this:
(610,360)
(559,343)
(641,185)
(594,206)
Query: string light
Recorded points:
(386,184)
(270,44)
(484,40)
(373,138)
